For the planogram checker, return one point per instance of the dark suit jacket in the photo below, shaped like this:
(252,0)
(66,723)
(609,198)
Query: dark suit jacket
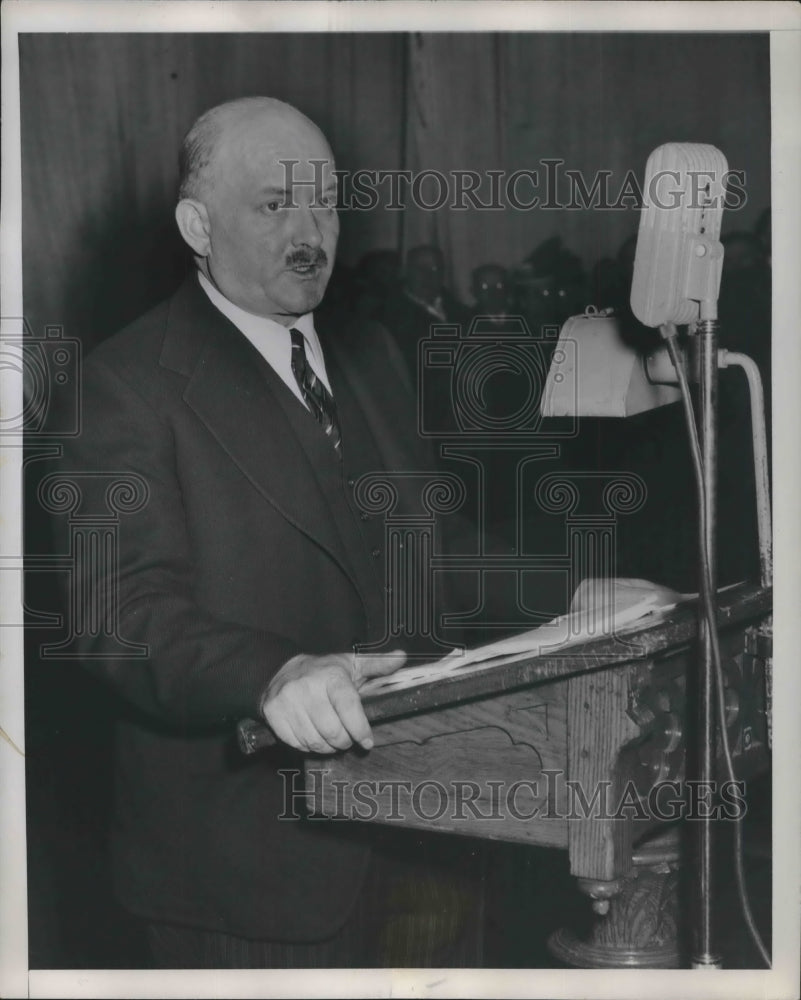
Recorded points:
(409,323)
(245,554)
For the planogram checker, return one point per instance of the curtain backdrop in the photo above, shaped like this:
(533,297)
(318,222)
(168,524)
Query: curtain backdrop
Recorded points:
(102,117)
(598,102)
(102,120)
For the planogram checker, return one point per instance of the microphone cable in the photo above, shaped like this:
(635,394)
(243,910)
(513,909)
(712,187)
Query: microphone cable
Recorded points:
(669,332)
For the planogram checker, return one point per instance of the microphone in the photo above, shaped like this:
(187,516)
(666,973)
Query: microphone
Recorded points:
(679,255)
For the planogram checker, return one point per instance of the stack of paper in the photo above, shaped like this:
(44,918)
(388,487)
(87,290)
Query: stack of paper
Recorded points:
(600,608)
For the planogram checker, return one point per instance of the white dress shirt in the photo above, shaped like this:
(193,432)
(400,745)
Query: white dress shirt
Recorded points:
(272,340)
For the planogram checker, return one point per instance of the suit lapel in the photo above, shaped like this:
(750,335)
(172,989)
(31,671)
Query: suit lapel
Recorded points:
(234,392)
(357,369)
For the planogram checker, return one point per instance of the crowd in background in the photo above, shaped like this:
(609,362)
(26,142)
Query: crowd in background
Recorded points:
(410,296)
(548,286)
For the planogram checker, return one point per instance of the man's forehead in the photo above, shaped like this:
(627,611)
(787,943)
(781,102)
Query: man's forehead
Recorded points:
(283,174)
(275,150)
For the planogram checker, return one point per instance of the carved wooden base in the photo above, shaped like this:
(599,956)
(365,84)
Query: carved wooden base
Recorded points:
(637,923)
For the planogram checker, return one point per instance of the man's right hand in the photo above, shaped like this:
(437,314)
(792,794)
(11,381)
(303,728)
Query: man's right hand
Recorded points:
(313,704)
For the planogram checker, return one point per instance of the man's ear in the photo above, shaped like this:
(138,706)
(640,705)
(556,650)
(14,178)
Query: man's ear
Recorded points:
(194,226)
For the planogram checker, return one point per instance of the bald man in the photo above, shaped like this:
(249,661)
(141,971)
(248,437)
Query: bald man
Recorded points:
(249,575)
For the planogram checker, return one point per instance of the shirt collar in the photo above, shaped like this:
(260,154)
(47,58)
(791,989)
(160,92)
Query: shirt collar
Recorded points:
(247,321)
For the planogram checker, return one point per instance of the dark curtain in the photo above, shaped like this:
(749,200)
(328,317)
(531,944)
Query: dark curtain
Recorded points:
(599,102)
(102,117)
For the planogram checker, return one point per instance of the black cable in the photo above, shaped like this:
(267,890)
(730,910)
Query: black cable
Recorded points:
(708,601)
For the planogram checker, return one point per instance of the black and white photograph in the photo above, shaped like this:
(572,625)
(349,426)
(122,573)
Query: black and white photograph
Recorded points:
(398,447)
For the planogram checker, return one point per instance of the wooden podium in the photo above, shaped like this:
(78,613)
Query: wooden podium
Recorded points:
(586,750)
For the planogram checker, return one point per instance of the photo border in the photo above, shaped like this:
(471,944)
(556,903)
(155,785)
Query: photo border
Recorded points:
(784,22)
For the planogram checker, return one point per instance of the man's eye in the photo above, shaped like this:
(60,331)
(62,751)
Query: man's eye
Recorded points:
(271,206)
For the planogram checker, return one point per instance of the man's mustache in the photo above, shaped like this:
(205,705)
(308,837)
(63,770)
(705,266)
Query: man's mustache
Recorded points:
(307,258)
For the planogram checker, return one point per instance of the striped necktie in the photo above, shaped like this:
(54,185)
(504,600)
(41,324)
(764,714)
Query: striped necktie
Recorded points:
(314,391)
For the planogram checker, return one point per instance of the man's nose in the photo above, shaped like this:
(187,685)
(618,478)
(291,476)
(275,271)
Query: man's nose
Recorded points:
(306,229)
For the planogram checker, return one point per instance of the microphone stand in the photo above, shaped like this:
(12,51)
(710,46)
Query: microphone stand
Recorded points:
(703,956)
